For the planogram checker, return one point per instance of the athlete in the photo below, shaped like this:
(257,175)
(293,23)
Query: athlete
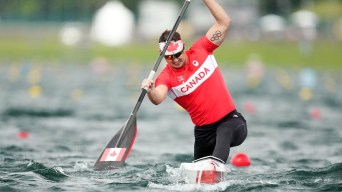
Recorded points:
(193,79)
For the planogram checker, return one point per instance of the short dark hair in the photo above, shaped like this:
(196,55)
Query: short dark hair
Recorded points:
(163,37)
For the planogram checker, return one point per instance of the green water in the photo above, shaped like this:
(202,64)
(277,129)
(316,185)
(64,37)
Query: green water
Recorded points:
(295,144)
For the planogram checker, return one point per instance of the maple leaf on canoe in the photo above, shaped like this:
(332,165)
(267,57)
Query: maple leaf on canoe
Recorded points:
(113,154)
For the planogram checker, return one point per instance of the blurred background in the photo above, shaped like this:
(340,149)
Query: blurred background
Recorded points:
(267,37)
(295,33)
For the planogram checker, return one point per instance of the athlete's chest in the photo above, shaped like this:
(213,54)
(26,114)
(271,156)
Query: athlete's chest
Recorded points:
(193,64)
(193,76)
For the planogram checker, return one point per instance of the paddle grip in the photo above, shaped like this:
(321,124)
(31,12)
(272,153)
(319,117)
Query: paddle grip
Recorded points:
(151,75)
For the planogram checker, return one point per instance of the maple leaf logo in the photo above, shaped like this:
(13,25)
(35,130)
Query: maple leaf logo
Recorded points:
(113,154)
(172,46)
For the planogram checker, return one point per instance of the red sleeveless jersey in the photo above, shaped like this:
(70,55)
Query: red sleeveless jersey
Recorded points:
(198,86)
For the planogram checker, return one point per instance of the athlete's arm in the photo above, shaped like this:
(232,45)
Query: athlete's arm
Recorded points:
(155,94)
(218,31)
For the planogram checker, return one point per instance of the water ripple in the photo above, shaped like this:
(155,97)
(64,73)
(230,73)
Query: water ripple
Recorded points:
(49,173)
(34,112)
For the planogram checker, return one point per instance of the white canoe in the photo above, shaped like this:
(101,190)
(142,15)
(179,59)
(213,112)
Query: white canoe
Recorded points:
(206,170)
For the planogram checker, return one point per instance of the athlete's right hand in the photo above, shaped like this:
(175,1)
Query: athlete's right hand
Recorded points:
(148,85)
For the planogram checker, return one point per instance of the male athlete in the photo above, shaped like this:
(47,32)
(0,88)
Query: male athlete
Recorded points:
(193,80)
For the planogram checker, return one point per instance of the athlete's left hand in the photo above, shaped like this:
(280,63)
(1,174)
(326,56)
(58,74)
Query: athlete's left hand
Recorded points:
(148,85)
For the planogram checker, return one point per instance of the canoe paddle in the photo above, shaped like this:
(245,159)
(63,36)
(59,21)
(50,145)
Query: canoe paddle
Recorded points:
(117,150)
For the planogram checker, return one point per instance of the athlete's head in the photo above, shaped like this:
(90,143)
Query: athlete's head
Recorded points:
(174,53)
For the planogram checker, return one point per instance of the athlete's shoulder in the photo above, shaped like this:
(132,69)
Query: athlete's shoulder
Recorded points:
(203,43)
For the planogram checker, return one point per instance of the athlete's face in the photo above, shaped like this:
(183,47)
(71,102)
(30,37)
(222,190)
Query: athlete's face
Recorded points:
(176,61)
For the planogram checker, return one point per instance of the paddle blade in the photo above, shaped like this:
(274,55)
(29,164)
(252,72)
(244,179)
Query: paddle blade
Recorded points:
(117,150)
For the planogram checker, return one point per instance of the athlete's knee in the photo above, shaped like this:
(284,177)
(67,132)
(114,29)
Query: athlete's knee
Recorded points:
(240,135)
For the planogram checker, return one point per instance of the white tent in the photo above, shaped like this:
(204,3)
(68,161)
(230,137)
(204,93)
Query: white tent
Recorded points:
(155,16)
(113,24)
(272,23)
(305,19)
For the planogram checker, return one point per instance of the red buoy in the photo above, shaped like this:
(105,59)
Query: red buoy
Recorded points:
(240,160)
(315,113)
(249,107)
(22,134)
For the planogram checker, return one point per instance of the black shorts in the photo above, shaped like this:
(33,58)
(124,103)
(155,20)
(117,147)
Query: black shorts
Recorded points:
(217,138)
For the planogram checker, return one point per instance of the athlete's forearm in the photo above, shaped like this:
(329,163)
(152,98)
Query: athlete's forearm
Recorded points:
(155,97)
(218,12)
(218,31)
(155,94)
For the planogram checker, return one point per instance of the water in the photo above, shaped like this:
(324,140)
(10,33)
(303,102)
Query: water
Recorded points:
(71,112)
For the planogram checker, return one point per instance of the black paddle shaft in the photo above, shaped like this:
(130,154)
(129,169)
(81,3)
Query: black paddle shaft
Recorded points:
(161,55)
(124,138)
(155,67)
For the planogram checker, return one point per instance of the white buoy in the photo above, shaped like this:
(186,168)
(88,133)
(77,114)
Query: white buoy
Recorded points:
(71,34)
